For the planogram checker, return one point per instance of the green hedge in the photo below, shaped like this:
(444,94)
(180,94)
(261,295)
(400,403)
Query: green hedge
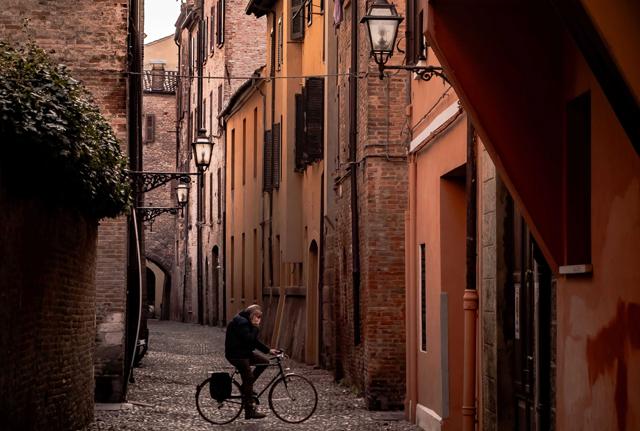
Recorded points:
(54,143)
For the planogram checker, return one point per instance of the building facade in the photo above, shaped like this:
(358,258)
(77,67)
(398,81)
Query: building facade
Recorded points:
(90,37)
(557,186)
(231,48)
(159,155)
(364,268)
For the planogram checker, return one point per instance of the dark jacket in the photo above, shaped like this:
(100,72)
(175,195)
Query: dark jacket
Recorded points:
(242,338)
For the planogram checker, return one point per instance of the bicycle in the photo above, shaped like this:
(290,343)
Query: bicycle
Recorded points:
(292,397)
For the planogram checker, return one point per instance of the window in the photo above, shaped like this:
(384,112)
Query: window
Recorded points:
(297,19)
(423,298)
(219,98)
(211,112)
(421,39)
(233,158)
(578,180)
(220,22)
(150,128)
(242,257)
(280,44)
(255,265)
(212,29)
(204,114)
(232,267)
(244,151)
(210,197)
(255,142)
(205,40)
(219,195)
(416,40)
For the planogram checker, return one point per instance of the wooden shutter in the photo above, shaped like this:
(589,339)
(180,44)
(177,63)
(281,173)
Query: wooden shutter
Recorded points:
(314,118)
(297,19)
(222,12)
(267,171)
(301,153)
(276,155)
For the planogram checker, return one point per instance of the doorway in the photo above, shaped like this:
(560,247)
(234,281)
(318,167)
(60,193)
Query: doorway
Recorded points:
(312,339)
(534,354)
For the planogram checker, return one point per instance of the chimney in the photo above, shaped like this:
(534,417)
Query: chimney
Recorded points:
(157,75)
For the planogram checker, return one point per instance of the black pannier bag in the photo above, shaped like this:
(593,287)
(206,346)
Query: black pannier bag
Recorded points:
(220,386)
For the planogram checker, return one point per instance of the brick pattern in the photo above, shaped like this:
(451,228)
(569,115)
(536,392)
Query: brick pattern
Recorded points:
(375,366)
(47,320)
(242,53)
(159,155)
(90,37)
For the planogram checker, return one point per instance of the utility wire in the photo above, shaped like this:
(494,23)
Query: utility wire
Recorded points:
(123,73)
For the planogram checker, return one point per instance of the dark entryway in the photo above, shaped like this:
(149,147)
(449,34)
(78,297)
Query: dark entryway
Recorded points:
(533,319)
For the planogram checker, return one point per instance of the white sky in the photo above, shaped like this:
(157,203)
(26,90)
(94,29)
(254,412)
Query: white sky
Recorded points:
(159,18)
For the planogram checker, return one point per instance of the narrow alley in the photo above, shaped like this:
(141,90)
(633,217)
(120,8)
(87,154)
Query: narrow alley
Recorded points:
(179,356)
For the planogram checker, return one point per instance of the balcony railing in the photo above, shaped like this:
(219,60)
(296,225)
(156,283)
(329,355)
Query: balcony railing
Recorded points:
(156,81)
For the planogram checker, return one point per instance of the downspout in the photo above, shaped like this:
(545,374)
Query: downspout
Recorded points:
(272,73)
(134,115)
(470,299)
(200,197)
(224,224)
(411,294)
(264,122)
(353,168)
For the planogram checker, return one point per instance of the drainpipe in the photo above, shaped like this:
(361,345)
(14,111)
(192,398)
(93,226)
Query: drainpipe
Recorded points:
(470,299)
(264,124)
(134,116)
(353,168)
(200,197)
(272,73)
(224,226)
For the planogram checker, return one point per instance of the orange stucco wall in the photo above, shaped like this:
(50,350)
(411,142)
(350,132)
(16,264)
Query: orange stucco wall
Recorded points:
(245,209)
(437,219)
(598,315)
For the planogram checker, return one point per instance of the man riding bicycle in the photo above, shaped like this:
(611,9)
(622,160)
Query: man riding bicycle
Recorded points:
(240,342)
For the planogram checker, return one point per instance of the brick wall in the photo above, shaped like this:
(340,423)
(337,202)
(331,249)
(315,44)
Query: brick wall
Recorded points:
(90,37)
(47,318)
(376,365)
(159,155)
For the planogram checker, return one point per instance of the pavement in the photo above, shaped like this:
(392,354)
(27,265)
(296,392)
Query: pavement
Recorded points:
(180,354)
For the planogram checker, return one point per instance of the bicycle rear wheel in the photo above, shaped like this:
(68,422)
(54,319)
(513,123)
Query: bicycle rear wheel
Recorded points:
(216,412)
(293,398)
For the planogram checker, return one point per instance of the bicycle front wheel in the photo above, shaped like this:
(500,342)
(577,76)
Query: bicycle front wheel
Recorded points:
(293,398)
(218,412)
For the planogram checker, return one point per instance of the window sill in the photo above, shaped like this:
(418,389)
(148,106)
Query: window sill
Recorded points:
(582,269)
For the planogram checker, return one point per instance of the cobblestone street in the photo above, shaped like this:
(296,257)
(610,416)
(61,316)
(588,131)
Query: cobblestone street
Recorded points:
(179,357)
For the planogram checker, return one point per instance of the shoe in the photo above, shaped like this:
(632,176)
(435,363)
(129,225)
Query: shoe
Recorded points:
(252,413)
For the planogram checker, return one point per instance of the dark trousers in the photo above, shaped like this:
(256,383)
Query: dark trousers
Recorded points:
(248,376)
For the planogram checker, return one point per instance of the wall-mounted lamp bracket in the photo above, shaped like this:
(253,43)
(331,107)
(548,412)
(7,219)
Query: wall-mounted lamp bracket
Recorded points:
(152,180)
(149,213)
(425,73)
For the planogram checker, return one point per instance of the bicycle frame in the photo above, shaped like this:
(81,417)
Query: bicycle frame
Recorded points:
(281,373)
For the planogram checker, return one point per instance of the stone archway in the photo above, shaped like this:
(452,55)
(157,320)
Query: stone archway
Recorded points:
(158,288)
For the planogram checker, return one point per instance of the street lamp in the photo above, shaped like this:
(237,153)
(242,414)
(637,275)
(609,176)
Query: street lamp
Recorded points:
(382,21)
(182,195)
(202,149)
